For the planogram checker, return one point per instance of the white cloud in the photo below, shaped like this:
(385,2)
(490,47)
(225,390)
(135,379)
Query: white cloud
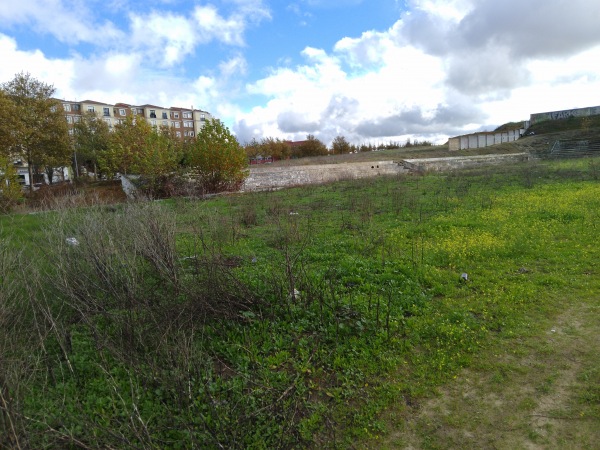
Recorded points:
(212,25)
(168,37)
(69,23)
(58,73)
(445,67)
(235,66)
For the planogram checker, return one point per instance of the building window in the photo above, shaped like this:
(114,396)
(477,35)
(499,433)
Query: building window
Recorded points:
(106,112)
(121,112)
(153,122)
(187,115)
(76,119)
(108,122)
(164,115)
(76,108)
(140,111)
(91,109)
(69,119)
(133,111)
(176,115)
(153,113)
(67,107)
(202,117)
(178,134)
(188,124)
(165,123)
(191,134)
(176,124)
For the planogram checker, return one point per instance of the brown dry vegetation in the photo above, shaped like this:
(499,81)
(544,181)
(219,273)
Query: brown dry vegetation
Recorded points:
(74,194)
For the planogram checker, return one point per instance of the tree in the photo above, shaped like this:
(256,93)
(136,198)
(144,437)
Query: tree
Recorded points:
(10,189)
(252,149)
(91,139)
(158,161)
(9,125)
(42,137)
(273,147)
(136,147)
(276,148)
(340,146)
(312,147)
(217,158)
(126,146)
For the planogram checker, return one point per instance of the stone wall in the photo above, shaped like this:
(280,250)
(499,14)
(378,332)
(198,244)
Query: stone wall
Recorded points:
(270,177)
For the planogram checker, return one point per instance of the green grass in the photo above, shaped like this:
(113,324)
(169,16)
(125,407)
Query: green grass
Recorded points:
(359,314)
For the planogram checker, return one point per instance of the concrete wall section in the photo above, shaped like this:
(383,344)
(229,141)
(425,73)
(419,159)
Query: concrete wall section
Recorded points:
(565,114)
(454,144)
(269,177)
(460,162)
(263,178)
(480,140)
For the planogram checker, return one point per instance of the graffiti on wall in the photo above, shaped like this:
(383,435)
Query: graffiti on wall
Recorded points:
(565,114)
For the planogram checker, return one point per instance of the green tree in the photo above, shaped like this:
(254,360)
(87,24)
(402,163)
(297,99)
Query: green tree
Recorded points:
(136,147)
(340,146)
(126,147)
(158,160)
(91,139)
(252,148)
(217,158)
(276,148)
(312,147)
(41,137)
(9,125)
(10,189)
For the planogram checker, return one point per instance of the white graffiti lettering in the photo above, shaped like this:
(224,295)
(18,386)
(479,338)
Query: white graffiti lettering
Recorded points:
(563,114)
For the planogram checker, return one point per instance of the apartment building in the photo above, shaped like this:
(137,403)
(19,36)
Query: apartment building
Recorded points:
(187,122)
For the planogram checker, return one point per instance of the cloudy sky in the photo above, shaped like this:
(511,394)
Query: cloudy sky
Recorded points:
(369,70)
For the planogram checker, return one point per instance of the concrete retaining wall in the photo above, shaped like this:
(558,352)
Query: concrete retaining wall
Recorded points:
(565,114)
(460,162)
(480,140)
(269,177)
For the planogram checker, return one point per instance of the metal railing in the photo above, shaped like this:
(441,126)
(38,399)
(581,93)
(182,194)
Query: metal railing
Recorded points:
(574,148)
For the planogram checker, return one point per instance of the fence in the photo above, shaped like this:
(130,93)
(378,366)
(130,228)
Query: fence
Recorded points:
(574,148)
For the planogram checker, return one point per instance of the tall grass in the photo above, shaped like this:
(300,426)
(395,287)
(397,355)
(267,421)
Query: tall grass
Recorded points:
(283,319)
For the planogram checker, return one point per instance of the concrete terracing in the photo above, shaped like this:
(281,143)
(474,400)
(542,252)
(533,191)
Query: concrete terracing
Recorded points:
(461,162)
(274,177)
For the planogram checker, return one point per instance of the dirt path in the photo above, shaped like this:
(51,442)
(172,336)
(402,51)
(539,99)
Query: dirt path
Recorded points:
(536,392)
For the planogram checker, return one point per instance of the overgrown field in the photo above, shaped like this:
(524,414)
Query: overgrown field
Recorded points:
(289,319)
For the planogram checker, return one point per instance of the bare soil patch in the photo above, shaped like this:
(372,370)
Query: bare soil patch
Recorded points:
(535,392)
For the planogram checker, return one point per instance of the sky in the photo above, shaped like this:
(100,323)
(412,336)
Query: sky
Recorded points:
(373,71)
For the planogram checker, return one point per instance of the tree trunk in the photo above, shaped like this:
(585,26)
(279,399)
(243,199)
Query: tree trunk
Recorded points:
(30,170)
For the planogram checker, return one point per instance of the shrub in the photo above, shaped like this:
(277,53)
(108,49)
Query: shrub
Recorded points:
(215,159)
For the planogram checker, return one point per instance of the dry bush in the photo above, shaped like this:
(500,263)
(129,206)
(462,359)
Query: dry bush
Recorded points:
(123,266)
(69,195)
(23,329)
